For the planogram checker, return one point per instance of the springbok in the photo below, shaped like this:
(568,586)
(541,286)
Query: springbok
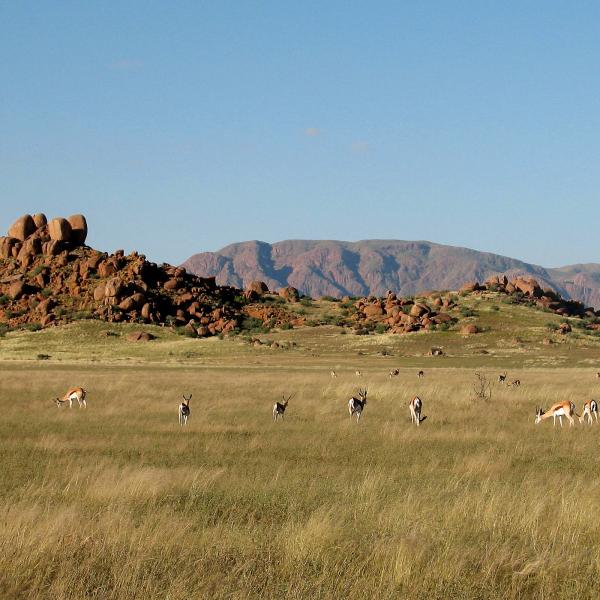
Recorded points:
(73,394)
(560,410)
(515,383)
(421,374)
(279,407)
(333,374)
(357,405)
(415,406)
(184,410)
(589,407)
(358,373)
(598,375)
(394,372)
(502,377)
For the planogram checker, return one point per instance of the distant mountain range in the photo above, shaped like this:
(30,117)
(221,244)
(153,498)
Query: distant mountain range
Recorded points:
(371,267)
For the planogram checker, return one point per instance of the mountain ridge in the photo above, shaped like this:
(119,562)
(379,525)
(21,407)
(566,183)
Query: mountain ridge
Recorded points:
(371,267)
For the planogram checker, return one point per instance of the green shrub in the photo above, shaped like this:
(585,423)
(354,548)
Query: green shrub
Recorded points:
(4,329)
(330,299)
(46,292)
(552,326)
(465,311)
(287,326)
(495,307)
(253,325)
(443,327)
(32,327)
(381,328)
(4,299)
(306,301)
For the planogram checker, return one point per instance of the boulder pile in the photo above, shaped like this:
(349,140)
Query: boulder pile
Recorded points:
(48,276)
(528,290)
(403,315)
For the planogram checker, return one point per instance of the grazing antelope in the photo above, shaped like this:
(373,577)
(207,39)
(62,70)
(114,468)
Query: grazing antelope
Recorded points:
(502,377)
(358,373)
(560,410)
(279,407)
(73,394)
(357,405)
(333,374)
(394,372)
(184,410)
(515,383)
(415,406)
(589,407)
(421,374)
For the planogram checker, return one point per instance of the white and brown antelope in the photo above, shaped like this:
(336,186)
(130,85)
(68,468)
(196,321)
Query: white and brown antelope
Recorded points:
(333,374)
(415,406)
(279,407)
(421,374)
(357,405)
(358,373)
(502,377)
(598,375)
(394,372)
(589,407)
(515,383)
(184,410)
(73,394)
(560,410)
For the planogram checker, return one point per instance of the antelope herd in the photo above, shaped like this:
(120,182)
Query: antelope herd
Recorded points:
(356,405)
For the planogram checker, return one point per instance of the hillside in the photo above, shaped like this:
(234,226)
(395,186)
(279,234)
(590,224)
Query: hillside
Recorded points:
(371,267)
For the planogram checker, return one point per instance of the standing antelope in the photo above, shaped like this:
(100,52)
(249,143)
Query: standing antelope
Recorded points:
(184,410)
(358,373)
(73,394)
(589,407)
(279,407)
(394,373)
(502,377)
(421,374)
(333,374)
(357,405)
(415,406)
(515,383)
(598,375)
(560,410)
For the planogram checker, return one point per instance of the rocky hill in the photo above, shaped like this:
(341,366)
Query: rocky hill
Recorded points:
(49,276)
(372,267)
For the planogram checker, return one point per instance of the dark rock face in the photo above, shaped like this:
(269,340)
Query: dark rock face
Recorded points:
(371,267)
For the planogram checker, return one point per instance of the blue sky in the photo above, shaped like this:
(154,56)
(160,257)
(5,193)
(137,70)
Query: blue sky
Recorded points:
(179,127)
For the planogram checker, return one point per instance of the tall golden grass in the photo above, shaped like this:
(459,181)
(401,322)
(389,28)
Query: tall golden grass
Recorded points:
(118,501)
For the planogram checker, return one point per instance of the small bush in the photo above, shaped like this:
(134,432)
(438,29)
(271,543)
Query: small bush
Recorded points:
(81,315)
(306,301)
(186,332)
(552,326)
(46,292)
(381,328)
(330,299)
(32,327)
(443,327)
(37,270)
(465,311)
(495,307)
(253,325)
(4,299)
(4,329)
(43,357)
(287,326)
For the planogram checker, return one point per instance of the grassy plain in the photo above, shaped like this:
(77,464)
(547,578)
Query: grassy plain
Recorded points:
(118,501)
